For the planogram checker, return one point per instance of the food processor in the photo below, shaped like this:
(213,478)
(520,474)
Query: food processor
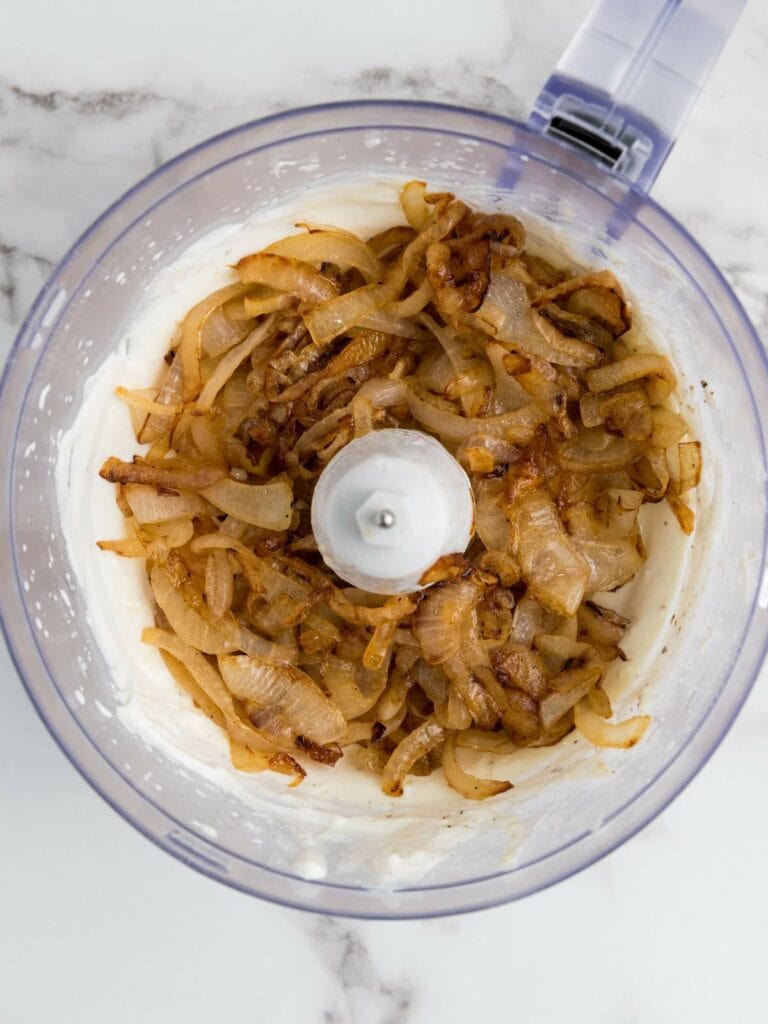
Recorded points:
(579,170)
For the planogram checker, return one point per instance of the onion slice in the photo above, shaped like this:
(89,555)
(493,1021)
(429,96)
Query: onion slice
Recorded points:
(609,734)
(416,744)
(286,275)
(556,572)
(326,246)
(267,505)
(470,786)
(290,691)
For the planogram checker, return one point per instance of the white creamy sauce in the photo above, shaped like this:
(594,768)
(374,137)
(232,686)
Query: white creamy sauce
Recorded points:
(411,836)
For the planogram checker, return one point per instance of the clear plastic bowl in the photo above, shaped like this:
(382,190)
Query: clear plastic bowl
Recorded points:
(715,646)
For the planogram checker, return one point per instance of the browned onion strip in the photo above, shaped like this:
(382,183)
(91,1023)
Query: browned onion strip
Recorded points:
(184,479)
(554,705)
(597,279)
(286,275)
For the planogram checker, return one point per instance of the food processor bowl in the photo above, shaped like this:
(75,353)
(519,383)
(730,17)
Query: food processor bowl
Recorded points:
(714,638)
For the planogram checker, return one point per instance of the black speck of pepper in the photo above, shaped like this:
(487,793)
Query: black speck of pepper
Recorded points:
(704,383)
(664,650)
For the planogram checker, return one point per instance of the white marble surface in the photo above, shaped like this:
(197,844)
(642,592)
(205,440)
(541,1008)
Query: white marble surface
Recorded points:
(97,924)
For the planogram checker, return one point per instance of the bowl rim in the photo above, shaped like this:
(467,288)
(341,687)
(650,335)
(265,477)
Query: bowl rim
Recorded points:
(30,325)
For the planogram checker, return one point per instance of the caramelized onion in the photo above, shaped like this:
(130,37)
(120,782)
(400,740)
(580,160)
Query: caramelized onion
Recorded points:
(344,250)
(192,478)
(520,367)
(416,744)
(149,505)
(594,728)
(292,692)
(463,782)
(556,573)
(286,275)
(267,505)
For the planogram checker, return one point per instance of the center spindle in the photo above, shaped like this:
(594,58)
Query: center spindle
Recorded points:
(387,506)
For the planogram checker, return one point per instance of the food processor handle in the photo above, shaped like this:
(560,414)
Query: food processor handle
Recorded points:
(624,86)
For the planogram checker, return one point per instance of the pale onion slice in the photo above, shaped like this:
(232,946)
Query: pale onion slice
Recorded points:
(470,786)
(437,622)
(352,688)
(416,744)
(394,609)
(219,582)
(288,690)
(338,315)
(510,393)
(230,362)
(683,513)
(170,395)
(485,742)
(260,306)
(379,646)
(335,316)
(246,760)
(393,698)
(142,403)
(195,625)
(485,711)
(267,505)
(599,453)
(689,457)
(209,680)
(150,506)
(322,246)
(611,563)
(414,303)
(221,332)
(609,734)
(415,207)
(491,523)
(191,342)
(668,427)
(556,572)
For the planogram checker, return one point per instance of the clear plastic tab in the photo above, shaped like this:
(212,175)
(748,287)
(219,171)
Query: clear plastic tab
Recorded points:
(624,86)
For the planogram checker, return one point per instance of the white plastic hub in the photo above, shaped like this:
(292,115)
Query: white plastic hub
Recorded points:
(387,506)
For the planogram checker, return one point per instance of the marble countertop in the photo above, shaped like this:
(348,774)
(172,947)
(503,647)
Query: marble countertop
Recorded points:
(97,924)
